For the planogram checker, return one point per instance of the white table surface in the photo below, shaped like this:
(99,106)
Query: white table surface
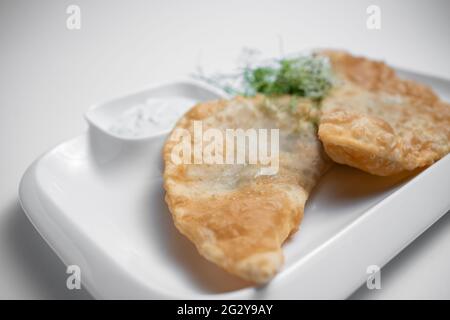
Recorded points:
(49,76)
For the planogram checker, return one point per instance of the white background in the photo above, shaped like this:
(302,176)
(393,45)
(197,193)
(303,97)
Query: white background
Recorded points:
(49,76)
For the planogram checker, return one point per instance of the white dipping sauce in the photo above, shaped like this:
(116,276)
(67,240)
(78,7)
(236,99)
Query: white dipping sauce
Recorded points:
(154,116)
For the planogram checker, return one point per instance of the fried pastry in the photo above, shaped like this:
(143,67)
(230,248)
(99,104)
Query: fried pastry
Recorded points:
(237,216)
(377,122)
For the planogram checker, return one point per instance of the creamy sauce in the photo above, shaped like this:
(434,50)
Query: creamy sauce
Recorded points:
(154,116)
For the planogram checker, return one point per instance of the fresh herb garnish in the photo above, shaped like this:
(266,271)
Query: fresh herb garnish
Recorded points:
(306,76)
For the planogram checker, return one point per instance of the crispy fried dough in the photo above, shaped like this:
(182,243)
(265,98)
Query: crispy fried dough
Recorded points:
(379,123)
(237,218)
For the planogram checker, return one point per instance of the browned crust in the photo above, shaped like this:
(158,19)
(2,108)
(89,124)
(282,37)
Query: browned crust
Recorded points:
(392,138)
(242,229)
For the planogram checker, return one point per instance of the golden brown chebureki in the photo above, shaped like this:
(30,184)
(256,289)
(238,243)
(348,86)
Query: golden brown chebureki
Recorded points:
(371,119)
(237,218)
(379,123)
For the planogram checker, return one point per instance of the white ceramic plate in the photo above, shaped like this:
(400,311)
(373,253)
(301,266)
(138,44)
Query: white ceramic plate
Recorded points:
(99,203)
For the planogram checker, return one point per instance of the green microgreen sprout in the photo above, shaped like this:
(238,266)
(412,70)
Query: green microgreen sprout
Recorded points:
(307,76)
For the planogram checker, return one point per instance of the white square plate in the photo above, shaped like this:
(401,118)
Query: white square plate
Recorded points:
(99,203)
